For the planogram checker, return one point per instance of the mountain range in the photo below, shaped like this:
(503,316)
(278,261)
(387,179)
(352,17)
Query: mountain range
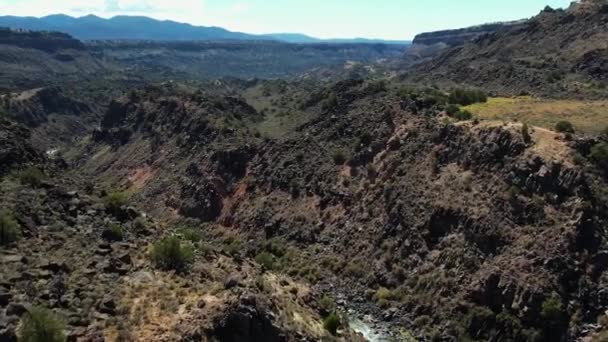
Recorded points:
(91,27)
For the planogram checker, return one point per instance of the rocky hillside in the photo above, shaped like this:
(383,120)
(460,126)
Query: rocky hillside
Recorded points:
(559,53)
(261,59)
(30,59)
(447,231)
(461,36)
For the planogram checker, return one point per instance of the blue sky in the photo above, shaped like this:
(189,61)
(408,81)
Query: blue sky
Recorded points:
(389,19)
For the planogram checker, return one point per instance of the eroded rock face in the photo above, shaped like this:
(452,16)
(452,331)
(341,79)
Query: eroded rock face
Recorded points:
(246,321)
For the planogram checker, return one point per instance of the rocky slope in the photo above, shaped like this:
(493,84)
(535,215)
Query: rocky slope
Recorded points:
(559,53)
(446,231)
(461,36)
(30,59)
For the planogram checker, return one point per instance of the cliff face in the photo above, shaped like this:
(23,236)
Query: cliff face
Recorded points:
(45,41)
(551,54)
(460,36)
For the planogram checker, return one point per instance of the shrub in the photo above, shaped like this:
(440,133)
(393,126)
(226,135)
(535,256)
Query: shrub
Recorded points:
(552,309)
(41,325)
(452,109)
(599,154)
(463,115)
(113,232)
(266,260)
(330,103)
(9,228)
(32,176)
(339,157)
(564,127)
(525,133)
(115,200)
(331,323)
(191,234)
(171,254)
(467,97)
(327,305)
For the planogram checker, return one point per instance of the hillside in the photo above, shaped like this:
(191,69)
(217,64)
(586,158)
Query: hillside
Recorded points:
(559,53)
(243,59)
(460,36)
(257,190)
(29,59)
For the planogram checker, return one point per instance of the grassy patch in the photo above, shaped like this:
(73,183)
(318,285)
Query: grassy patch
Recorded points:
(586,116)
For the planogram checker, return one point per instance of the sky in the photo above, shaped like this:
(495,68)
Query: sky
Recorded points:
(387,19)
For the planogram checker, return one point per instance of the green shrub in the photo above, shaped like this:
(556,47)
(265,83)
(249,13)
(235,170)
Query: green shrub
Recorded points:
(463,115)
(552,309)
(115,200)
(32,176)
(564,127)
(191,234)
(9,228)
(452,109)
(599,154)
(383,294)
(330,103)
(467,97)
(266,260)
(331,323)
(525,133)
(327,305)
(41,325)
(171,254)
(113,232)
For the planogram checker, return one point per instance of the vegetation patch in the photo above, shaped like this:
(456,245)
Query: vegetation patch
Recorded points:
(171,254)
(586,116)
(32,176)
(9,228)
(41,325)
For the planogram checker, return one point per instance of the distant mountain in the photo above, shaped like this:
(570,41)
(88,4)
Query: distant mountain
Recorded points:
(303,39)
(143,28)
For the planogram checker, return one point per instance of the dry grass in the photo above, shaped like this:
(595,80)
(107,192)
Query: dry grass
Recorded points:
(586,116)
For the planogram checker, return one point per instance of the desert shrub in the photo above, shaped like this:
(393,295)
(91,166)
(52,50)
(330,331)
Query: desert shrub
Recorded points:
(41,325)
(191,234)
(339,157)
(383,294)
(139,225)
(552,309)
(9,228)
(32,176)
(376,87)
(525,133)
(266,260)
(113,232)
(452,109)
(114,200)
(330,102)
(463,115)
(599,154)
(327,305)
(331,323)
(354,269)
(564,127)
(171,254)
(467,97)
